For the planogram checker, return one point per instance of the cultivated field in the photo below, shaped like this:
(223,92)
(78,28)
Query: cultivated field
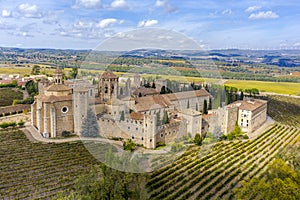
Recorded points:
(215,175)
(263,86)
(39,171)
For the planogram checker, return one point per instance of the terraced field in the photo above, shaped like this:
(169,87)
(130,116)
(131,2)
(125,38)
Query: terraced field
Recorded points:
(39,171)
(215,175)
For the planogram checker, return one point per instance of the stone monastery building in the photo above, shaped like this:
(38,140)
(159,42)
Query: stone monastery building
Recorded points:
(150,119)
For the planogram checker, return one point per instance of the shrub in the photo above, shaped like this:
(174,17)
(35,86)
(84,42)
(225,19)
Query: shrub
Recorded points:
(198,139)
(129,145)
(21,123)
(66,133)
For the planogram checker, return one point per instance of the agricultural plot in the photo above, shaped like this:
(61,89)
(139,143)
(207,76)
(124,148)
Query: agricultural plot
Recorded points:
(39,171)
(264,86)
(215,175)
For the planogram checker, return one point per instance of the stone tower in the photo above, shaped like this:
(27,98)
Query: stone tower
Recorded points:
(58,76)
(80,106)
(150,131)
(42,84)
(128,87)
(108,86)
(136,80)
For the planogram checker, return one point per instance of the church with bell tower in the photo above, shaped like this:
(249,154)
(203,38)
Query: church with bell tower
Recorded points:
(59,108)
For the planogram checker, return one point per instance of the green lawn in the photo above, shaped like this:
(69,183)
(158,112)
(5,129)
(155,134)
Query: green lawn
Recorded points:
(277,87)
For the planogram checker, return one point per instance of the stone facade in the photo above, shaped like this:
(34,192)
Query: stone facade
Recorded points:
(58,107)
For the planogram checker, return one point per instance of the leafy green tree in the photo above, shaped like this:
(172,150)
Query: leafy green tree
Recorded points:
(31,88)
(103,182)
(36,69)
(90,126)
(129,145)
(237,132)
(74,72)
(205,107)
(280,181)
(198,139)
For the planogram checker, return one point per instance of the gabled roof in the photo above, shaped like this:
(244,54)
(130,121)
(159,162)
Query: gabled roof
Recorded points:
(249,105)
(145,91)
(187,94)
(57,87)
(152,102)
(52,98)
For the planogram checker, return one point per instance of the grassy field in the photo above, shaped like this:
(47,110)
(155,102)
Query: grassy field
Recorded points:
(7,95)
(277,87)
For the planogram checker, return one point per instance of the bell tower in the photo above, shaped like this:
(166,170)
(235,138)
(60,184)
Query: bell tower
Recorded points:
(108,86)
(58,76)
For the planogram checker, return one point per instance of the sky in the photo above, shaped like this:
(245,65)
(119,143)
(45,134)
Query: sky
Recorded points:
(211,24)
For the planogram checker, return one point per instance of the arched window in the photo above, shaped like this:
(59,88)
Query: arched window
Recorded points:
(106,89)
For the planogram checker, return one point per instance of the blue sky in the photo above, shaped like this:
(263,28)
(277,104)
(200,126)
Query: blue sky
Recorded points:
(213,24)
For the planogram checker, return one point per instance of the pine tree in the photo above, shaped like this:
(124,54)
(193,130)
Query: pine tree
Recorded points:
(197,107)
(205,107)
(188,104)
(90,126)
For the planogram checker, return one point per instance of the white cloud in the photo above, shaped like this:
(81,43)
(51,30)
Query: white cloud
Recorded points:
(147,23)
(227,12)
(119,4)
(264,15)
(83,25)
(166,5)
(29,11)
(89,4)
(5,13)
(252,8)
(104,23)
(160,3)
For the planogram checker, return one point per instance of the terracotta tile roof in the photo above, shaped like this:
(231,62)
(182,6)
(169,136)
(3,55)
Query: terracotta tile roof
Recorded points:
(151,102)
(145,91)
(250,105)
(187,94)
(52,98)
(136,116)
(58,87)
(108,74)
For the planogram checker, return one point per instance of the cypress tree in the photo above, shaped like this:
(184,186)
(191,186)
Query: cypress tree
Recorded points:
(90,126)
(205,107)
(165,118)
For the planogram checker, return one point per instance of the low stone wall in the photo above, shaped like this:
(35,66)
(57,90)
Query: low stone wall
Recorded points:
(15,118)
(16,109)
